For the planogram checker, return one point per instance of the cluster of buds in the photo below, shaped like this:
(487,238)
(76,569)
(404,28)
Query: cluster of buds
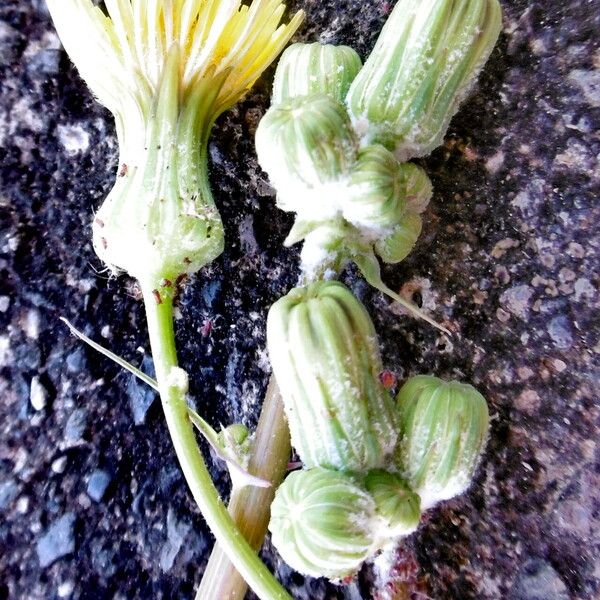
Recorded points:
(338,136)
(371,465)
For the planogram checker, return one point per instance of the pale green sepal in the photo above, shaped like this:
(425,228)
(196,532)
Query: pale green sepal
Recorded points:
(306,69)
(395,503)
(423,65)
(325,356)
(322,523)
(444,432)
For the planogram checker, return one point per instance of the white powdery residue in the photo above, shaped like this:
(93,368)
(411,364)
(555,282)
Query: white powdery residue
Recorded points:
(315,254)
(178,378)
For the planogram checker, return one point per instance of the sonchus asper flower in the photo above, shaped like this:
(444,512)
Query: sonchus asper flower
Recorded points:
(424,63)
(444,428)
(323,348)
(322,523)
(166,70)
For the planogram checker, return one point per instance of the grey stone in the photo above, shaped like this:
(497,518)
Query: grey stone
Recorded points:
(9,490)
(75,426)
(57,541)
(44,62)
(589,84)
(561,332)
(140,395)
(97,484)
(76,361)
(176,533)
(539,581)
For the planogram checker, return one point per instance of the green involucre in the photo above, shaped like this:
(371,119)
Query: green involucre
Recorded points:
(381,190)
(322,523)
(306,69)
(395,503)
(444,428)
(306,145)
(160,221)
(423,64)
(324,353)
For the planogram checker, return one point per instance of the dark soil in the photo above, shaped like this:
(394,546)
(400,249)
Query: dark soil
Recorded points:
(92,502)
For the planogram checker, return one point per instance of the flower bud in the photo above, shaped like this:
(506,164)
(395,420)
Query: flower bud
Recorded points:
(444,430)
(324,353)
(307,146)
(380,189)
(396,504)
(322,523)
(306,69)
(396,246)
(423,64)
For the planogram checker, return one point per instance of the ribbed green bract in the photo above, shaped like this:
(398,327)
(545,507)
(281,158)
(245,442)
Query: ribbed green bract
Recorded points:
(306,69)
(380,188)
(395,503)
(325,357)
(322,523)
(423,64)
(444,429)
(307,145)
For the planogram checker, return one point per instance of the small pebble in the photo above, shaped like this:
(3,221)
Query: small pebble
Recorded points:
(37,394)
(58,465)
(97,484)
(75,426)
(58,541)
(9,490)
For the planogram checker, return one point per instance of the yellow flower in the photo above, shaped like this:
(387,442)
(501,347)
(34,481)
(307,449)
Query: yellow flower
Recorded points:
(166,69)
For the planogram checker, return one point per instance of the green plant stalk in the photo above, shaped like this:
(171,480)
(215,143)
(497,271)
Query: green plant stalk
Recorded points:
(249,506)
(172,392)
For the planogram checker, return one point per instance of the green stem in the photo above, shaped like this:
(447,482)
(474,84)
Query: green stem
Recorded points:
(250,506)
(159,311)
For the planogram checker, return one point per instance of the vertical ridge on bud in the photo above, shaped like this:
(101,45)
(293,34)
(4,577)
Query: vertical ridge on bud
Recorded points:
(324,353)
(444,428)
(423,64)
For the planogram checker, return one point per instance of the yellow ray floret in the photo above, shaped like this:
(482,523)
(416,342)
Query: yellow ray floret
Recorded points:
(121,52)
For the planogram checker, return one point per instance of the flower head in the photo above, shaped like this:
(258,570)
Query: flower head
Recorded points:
(322,523)
(323,348)
(444,428)
(166,69)
(423,64)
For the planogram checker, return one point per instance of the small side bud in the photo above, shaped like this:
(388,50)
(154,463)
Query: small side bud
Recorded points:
(397,505)
(444,429)
(322,523)
(307,146)
(324,352)
(306,69)
(376,197)
(396,246)
(423,65)
(381,189)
